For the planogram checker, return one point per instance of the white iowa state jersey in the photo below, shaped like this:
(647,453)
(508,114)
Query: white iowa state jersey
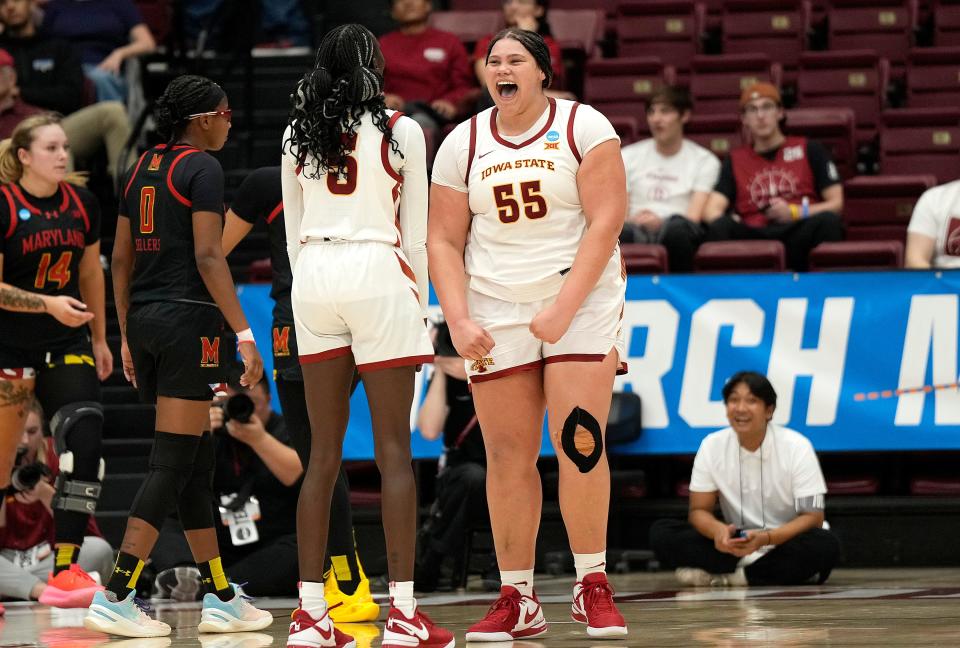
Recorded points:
(381,198)
(527,218)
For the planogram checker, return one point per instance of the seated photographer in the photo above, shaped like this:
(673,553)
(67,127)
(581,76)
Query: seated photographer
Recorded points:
(257,481)
(771,493)
(26,520)
(461,482)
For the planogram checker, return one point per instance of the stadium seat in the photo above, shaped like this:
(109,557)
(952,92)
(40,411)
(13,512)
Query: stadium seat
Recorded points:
(474,5)
(158,16)
(469,26)
(670,29)
(946,22)
(741,256)
(777,28)
(716,81)
(886,26)
(626,126)
(856,255)
(260,271)
(921,141)
(577,29)
(644,258)
(933,77)
(718,133)
(621,86)
(942,486)
(835,128)
(855,79)
(853,485)
(879,207)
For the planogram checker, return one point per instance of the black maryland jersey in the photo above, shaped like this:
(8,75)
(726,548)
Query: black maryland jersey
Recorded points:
(42,241)
(260,197)
(162,192)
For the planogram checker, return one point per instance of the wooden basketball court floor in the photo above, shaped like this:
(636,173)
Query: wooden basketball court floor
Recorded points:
(889,607)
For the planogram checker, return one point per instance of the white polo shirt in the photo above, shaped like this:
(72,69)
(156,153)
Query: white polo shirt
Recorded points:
(758,489)
(937,215)
(665,184)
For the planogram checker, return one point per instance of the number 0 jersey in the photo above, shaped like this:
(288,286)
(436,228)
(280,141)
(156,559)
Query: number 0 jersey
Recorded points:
(527,218)
(381,198)
(42,241)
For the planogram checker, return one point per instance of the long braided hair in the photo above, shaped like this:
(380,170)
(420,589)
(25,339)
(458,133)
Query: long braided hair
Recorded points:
(329,100)
(186,95)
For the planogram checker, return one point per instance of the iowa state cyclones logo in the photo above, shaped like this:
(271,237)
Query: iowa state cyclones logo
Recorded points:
(281,341)
(209,352)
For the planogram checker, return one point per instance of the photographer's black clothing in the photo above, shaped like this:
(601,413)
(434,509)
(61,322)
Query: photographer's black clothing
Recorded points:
(461,430)
(807,557)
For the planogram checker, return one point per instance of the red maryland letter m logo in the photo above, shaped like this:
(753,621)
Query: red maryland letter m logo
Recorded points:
(281,341)
(210,352)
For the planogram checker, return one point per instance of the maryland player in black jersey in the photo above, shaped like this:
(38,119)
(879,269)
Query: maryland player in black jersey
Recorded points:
(173,291)
(54,333)
(259,198)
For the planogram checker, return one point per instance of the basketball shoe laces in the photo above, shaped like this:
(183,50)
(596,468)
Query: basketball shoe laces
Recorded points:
(504,608)
(598,597)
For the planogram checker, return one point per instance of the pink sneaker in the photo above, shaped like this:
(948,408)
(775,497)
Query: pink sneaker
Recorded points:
(71,588)
(593,604)
(512,616)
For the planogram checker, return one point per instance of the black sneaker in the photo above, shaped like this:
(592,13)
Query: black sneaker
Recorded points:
(179,584)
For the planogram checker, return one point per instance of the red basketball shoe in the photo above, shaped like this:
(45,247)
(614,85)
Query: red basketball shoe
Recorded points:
(418,631)
(593,604)
(512,616)
(307,632)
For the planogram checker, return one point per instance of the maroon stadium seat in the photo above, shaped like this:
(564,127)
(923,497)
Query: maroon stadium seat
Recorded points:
(946,22)
(879,207)
(644,258)
(158,16)
(719,133)
(260,271)
(853,485)
(855,79)
(933,77)
(835,128)
(473,5)
(921,141)
(626,126)
(670,29)
(886,26)
(856,255)
(469,26)
(621,86)
(741,256)
(577,29)
(935,486)
(777,28)
(717,81)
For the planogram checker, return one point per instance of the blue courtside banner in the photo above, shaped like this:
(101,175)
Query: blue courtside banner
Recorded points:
(860,361)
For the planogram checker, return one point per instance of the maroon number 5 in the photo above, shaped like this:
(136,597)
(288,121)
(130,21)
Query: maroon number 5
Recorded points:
(508,207)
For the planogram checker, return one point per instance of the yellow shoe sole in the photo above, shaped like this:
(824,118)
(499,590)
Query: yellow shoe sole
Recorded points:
(355,612)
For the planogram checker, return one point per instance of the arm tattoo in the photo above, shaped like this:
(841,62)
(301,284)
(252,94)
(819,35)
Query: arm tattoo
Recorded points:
(20,300)
(14,395)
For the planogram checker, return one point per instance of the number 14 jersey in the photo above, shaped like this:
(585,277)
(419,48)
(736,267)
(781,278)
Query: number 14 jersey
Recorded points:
(527,217)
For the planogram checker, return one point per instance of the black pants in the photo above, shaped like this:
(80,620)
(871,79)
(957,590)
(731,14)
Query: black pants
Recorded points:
(811,555)
(798,237)
(678,234)
(461,506)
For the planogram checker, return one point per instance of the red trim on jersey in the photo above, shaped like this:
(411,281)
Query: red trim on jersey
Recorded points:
(543,131)
(325,355)
(396,362)
(137,169)
(13,211)
(473,149)
(15,188)
(575,357)
(299,171)
(67,189)
(406,269)
(503,373)
(622,369)
(570,139)
(173,165)
(385,150)
(276,211)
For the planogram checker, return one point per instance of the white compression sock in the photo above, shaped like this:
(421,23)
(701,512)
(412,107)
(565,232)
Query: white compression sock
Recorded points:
(311,599)
(521,579)
(593,563)
(401,594)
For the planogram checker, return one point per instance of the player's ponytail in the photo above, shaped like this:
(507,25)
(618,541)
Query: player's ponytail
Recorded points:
(328,102)
(11,169)
(188,94)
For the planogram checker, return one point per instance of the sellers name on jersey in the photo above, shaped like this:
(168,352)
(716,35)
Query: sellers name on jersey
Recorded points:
(148,244)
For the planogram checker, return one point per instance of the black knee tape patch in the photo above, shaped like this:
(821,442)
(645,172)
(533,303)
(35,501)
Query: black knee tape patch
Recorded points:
(196,501)
(581,418)
(171,466)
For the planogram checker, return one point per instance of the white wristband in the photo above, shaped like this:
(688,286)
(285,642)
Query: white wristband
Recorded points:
(246,335)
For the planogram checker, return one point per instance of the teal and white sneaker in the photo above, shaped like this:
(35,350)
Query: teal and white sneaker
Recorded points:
(125,618)
(235,615)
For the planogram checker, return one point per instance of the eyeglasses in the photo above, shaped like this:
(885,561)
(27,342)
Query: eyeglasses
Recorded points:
(761,109)
(226,113)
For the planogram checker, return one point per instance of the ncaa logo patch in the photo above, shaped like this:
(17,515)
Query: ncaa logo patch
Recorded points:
(553,136)
(24,214)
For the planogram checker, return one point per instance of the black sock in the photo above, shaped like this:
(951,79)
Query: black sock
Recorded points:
(125,574)
(214,580)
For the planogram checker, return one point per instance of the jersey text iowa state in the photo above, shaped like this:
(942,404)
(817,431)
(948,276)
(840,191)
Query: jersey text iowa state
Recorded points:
(53,239)
(518,164)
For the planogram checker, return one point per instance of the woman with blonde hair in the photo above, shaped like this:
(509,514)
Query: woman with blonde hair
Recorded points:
(51,286)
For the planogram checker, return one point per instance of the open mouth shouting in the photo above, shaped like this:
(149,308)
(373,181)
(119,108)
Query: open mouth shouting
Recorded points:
(506,89)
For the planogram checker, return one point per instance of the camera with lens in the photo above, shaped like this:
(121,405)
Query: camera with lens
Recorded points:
(239,408)
(27,475)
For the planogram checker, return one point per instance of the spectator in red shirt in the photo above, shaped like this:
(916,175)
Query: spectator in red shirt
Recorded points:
(427,71)
(26,523)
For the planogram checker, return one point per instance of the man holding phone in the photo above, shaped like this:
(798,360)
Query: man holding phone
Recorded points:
(771,492)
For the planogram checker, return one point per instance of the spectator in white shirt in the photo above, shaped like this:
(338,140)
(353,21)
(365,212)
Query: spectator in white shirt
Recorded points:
(933,237)
(771,493)
(668,181)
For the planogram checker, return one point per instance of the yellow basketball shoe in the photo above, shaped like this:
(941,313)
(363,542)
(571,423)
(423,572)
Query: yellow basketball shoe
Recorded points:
(358,607)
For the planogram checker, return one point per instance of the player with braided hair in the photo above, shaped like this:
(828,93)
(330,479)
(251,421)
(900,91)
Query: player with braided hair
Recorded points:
(354,183)
(173,291)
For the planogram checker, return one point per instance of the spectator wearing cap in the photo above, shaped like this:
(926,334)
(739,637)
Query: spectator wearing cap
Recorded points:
(778,187)
(669,179)
(13,109)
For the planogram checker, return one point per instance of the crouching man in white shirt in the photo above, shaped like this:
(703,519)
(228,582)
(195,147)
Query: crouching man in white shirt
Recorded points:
(771,493)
